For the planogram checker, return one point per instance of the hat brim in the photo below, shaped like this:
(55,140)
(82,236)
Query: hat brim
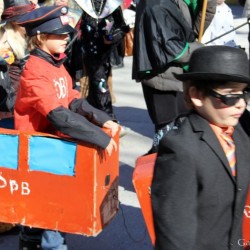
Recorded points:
(212,77)
(66,29)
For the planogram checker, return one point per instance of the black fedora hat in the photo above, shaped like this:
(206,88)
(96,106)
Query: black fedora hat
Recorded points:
(13,9)
(218,63)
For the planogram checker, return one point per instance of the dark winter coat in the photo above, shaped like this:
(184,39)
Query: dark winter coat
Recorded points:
(165,36)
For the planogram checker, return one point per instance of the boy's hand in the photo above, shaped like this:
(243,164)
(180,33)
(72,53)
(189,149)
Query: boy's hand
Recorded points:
(112,145)
(113,126)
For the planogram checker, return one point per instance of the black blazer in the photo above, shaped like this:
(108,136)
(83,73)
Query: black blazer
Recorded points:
(197,203)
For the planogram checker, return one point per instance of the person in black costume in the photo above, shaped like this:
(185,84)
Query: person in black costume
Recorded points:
(102,27)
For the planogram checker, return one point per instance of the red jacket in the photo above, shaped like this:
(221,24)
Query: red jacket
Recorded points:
(43,87)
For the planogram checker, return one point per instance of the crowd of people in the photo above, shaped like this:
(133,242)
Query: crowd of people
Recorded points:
(196,97)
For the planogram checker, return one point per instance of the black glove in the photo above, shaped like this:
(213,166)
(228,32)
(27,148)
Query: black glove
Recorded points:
(117,34)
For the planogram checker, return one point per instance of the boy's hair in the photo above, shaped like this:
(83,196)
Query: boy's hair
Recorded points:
(33,41)
(202,86)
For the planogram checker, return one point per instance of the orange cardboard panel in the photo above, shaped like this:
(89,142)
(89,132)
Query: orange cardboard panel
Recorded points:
(52,183)
(142,178)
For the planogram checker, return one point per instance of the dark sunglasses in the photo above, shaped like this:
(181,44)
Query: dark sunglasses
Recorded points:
(231,99)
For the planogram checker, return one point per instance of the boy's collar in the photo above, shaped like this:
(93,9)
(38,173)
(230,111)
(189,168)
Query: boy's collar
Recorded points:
(54,60)
(229,130)
(200,124)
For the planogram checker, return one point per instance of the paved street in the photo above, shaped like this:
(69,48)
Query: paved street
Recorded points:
(127,231)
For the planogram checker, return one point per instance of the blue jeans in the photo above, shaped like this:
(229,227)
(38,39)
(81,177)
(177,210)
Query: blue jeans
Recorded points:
(50,239)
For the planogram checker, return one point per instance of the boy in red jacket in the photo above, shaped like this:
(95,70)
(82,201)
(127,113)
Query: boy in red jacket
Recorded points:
(46,101)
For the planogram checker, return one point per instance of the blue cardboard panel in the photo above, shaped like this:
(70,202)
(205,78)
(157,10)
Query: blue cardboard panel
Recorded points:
(52,155)
(9,151)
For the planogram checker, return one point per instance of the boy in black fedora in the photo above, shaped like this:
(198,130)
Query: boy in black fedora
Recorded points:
(46,101)
(201,176)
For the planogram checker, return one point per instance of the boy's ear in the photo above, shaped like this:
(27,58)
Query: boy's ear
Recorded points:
(38,37)
(196,96)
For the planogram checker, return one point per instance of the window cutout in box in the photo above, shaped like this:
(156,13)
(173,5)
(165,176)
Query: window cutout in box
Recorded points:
(52,155)
(9,151)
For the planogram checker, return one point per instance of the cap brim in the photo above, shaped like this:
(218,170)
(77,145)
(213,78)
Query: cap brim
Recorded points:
(212,77)
(64,30)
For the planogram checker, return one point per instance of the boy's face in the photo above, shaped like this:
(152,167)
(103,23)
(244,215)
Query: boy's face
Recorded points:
(54,44)
(214,110)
